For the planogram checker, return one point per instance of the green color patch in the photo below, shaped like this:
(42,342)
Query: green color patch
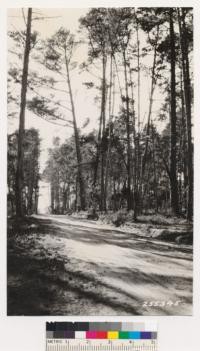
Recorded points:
(123,335)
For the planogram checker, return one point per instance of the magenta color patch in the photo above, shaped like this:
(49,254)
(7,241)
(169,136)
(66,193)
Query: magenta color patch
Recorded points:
(91,335)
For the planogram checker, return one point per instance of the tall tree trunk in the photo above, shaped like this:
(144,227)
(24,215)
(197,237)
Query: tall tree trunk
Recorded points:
(77,142)
(102,196)
(183,144)
(31,186)
(36,199)
(188,101)
(135,163)
(138,75)
(64,200)
(129,202)
(30,197)
(76,196)
(144,156)
(101,134)
(137,140)
(52,197)
(154,169)
(153,85)
(20,151)
(57,195)
(173,171)
(109,133)
(98,152)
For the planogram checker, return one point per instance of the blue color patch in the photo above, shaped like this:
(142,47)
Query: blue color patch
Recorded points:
(134,335)
(145,335)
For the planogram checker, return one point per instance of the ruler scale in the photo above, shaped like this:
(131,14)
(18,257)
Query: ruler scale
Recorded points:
(99,336)
(93,346)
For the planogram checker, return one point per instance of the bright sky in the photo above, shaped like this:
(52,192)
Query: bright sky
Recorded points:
(68,18)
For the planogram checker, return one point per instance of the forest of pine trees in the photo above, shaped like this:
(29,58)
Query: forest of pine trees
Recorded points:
(127,161)
(31,176)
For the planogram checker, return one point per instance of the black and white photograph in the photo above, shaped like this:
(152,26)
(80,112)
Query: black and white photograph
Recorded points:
(100,161)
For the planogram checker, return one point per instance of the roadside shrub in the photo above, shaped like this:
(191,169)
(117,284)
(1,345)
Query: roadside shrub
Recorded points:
(105,218)
(80,214)
(92,214)
(130,216)
(119,218)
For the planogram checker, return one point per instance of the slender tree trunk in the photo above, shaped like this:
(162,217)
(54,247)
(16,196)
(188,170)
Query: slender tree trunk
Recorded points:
(137,141)
(144,156)
(183,147)
(20,151)
(77,143)
(154,169)
(57,196)
(98,150)
(135,164)
(64,205)
(100,140)
(138,75)
(173,167)
(188,101)
(30,197)
(12,207)
(36,200)
(31,186)
(102,199)
(52,197)
(109,134)
(129,202)
(183,142)
(153,84)
(76,196)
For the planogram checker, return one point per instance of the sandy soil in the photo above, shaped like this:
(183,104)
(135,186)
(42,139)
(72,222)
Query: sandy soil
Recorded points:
(66,266)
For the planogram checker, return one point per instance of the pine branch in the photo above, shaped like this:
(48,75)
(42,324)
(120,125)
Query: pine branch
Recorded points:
(49,100)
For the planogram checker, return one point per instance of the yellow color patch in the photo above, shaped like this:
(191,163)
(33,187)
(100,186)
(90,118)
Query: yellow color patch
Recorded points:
(113,335)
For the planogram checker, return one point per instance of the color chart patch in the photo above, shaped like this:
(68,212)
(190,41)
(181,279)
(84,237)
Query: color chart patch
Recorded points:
(101,336)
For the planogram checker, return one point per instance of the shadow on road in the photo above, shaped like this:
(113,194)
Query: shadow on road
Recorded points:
(45,280)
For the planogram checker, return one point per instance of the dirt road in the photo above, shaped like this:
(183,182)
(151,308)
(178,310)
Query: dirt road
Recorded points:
(78,267)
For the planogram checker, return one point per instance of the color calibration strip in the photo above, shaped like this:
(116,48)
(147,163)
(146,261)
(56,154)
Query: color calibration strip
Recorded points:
(101,336)
(100,330)
(111,335)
